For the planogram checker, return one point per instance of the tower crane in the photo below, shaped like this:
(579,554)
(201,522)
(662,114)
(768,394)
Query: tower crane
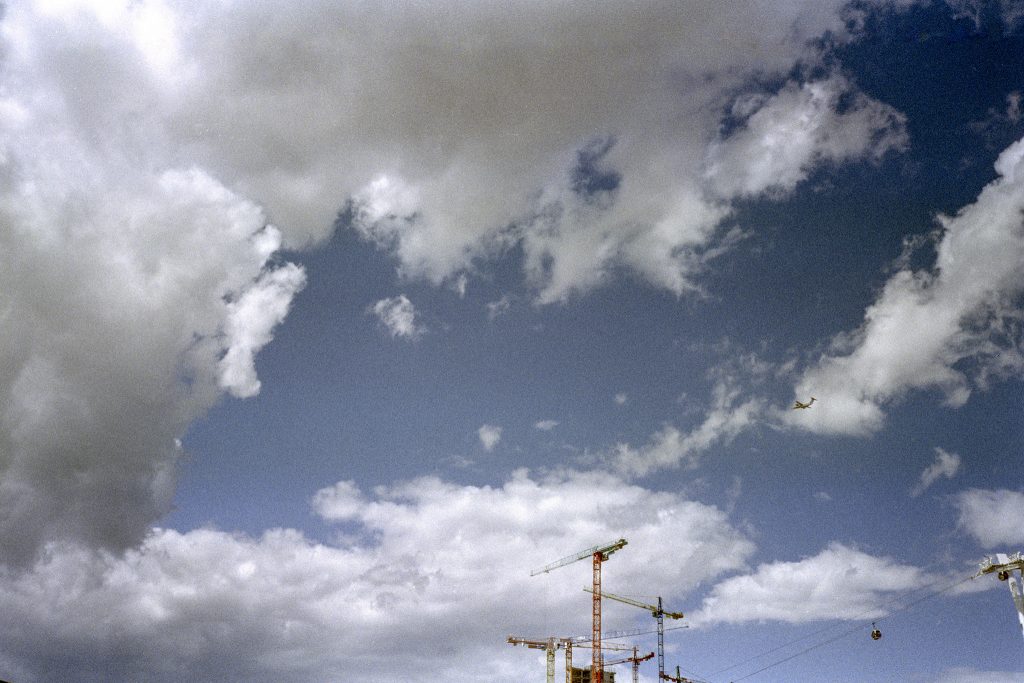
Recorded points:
(659,613)
(1004,567)
(549,646)
(635,659)
(552,644)
(598,554)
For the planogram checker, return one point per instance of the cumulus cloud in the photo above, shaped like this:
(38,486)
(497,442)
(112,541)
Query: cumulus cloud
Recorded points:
(945,465)
(840,582)
(398,316)
(582,134)
(135,284)
(489,435)
(785,135)
(250,320)
(127,301)
(993,517)
(925,324)
(545,425)
(438,569)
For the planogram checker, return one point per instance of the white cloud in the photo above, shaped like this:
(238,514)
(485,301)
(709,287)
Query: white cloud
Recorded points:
(993,517)
(785,135)
(439,570)
(621,399)
(146,146)
(399,317)
(499,125)
(545,425)
(250,320)
(726,417)
(126,298)
(489,435)
(499,307)
(129,275)
(924,323)
(945,465)
(838,583)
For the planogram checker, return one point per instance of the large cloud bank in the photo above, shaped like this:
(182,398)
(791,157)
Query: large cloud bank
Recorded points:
(423,582)
(588,134)
(154,157)
(133,291)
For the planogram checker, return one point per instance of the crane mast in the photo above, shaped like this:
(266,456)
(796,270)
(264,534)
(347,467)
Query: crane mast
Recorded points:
(549,646)
(678,678)
(553,643)
(659,613)
(635,659)
(598,554)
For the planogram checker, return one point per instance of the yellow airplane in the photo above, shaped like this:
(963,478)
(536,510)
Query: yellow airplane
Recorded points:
(798,405)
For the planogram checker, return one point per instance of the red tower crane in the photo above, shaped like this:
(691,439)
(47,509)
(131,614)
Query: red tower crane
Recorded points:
(599,554)
(635,659)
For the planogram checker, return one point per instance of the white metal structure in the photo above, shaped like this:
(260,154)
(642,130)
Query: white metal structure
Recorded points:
(1004,567)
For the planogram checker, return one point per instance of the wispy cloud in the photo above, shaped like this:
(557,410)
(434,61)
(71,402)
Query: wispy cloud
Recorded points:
(545,425)
(945,465)
(499,307)
(729,415)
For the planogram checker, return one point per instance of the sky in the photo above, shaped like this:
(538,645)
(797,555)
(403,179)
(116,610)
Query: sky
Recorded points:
(325,323)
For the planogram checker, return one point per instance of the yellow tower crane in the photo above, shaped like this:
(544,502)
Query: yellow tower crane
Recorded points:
(659,613)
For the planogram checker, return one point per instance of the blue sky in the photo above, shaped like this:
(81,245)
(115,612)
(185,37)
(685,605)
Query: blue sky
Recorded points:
(325,324)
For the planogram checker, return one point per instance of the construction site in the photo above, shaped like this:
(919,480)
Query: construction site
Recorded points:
(1006,568)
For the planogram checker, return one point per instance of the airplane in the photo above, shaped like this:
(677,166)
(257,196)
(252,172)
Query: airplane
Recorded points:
(798,405)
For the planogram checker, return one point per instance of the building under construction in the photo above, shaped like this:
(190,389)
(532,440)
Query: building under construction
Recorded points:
(583,676)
